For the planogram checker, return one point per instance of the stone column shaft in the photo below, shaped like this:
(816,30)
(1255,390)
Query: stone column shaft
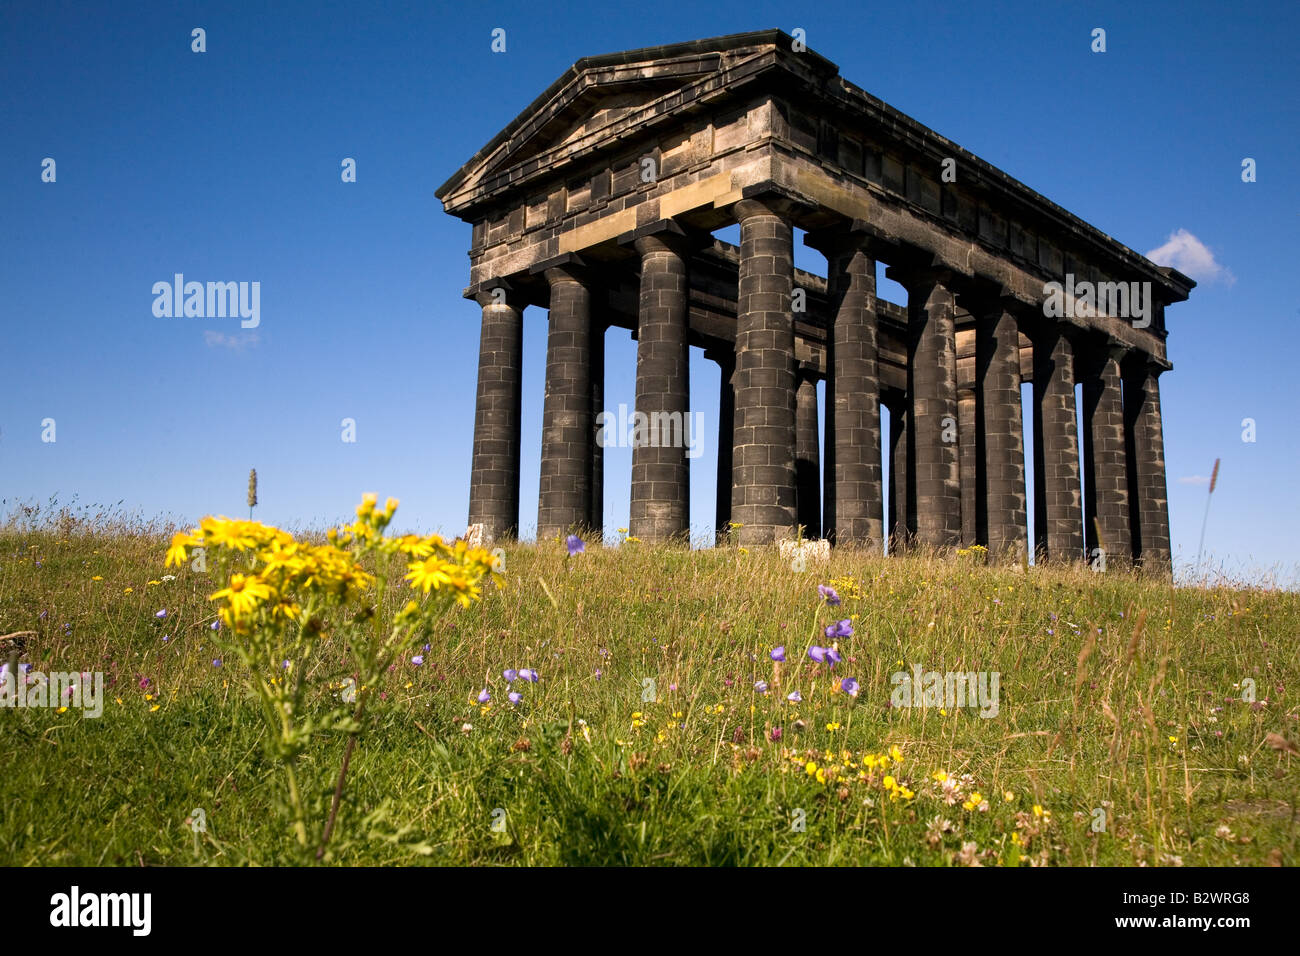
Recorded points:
(726,421)
(932,426)
(763,493)
(1001,435)
(973,528)
(808,458)
(597,518)
(1058,502)
(901,494)
(1151,529)
(1105,462)
(564,494)
(494,472)
(852,505)
(661,486)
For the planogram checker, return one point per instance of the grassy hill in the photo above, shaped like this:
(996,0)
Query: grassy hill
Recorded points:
(1120,736)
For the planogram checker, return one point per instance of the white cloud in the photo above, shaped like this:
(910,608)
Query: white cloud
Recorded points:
(1190,256)
(237,343)
(1194,480)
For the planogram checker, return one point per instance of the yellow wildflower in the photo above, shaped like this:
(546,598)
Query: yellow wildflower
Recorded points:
(176,552)
(286,610)
(416,546)
(244,593)
(282,557)
(225,533)
(430,574)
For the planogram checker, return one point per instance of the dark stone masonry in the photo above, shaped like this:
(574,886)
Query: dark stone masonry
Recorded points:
(598,203)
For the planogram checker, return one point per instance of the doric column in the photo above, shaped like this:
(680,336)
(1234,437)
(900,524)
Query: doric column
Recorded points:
(1001,433)
(807,457)
(661,486)
(932,425)
(726,359)
(972,524)
(1058,502)
(901,495)
(564,493)
(763,492)
(1149,505)
(494,472)
(852,501)
(598,326)
(1105,488)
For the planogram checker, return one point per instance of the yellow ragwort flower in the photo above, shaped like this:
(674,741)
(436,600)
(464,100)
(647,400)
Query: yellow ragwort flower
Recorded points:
(176,552)
(367,506)
(243,594)
(221,532)
(416,546)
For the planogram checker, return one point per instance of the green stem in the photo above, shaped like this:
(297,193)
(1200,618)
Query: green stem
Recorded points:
(376,660)
(295,801)
(343,772)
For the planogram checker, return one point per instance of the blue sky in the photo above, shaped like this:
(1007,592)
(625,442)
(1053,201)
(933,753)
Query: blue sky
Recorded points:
(225,166)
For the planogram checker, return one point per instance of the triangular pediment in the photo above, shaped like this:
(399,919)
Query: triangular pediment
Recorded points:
(593,113)
(603,101)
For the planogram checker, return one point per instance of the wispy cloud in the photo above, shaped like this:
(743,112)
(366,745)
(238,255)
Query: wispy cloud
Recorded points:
(1191,257)
(1194,480)
(237,342)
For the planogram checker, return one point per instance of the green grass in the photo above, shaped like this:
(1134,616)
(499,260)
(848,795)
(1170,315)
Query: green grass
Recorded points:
(700,788)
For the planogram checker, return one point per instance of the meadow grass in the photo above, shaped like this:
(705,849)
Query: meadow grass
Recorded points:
(1120,702)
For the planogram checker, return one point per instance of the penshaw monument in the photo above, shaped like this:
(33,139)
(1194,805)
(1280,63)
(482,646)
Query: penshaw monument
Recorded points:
(598,203)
